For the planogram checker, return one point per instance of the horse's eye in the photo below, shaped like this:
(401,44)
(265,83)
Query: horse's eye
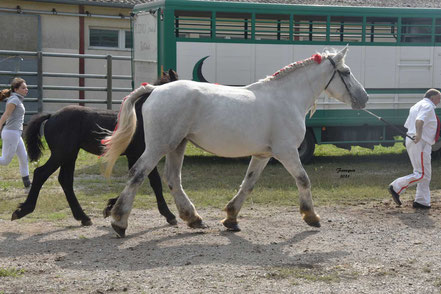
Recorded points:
(345,73)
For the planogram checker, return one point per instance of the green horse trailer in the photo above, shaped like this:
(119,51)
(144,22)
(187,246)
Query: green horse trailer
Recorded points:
(394,52)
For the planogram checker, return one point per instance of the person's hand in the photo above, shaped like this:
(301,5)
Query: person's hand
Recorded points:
(416,138)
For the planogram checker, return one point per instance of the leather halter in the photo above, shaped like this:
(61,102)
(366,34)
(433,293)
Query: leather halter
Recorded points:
(333,75)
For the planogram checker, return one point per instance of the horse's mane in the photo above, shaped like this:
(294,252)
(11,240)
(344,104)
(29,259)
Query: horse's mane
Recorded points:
(294,66)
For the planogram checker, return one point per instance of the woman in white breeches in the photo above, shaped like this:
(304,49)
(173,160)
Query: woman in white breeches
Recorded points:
(11,127)
(13,144)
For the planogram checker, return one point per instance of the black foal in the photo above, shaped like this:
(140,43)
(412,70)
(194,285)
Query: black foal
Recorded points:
(73,128)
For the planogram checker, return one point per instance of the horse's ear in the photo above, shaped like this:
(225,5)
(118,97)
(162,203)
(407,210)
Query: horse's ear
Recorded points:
(345,50)
(341,54)
(173,75)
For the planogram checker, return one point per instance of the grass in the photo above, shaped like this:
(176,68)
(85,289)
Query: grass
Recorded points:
(11,272)
(338,177)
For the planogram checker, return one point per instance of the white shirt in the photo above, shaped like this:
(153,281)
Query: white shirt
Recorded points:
(423,110)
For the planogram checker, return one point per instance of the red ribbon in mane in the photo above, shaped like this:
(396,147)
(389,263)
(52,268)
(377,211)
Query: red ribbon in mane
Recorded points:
(317,58)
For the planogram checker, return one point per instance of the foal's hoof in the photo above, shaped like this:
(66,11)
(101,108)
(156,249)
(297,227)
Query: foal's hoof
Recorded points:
(14,216)
(172,221)
(120,231)
(86,222)
(106,212)
(232,226)
(197,224)
(20,212)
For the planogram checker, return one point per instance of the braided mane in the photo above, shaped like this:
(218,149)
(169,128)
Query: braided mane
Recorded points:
(317,58)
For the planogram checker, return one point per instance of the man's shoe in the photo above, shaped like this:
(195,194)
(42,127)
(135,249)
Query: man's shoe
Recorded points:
(395,195)
(419,205)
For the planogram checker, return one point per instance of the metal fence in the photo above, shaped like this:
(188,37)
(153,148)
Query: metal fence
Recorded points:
(37,86)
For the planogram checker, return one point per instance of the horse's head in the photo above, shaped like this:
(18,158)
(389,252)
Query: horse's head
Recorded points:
(343,85)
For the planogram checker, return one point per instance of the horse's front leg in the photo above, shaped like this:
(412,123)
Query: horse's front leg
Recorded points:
(173,166)
(233,207)
(123,206)
(291,161)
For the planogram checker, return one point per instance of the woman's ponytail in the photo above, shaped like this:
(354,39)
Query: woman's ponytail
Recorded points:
(5,94)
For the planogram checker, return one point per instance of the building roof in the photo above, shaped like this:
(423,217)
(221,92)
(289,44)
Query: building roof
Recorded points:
(368,3)
(107,3)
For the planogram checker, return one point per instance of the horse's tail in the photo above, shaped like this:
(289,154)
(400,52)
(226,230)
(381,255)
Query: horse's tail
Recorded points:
(125,129)
(33,134)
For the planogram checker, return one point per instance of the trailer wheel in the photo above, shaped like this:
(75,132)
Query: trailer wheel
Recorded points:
(306,149)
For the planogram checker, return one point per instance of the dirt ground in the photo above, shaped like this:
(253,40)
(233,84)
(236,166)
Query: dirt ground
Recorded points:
(368,248)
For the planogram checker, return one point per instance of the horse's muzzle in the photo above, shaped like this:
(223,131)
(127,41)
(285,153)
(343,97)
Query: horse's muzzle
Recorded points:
(359,100)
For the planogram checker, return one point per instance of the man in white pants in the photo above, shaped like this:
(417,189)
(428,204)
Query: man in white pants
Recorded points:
(423,125)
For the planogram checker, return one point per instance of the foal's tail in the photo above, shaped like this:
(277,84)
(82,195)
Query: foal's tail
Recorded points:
(117,143)
(33,135)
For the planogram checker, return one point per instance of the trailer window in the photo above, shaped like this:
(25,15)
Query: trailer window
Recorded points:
(272,27)
(438,30)
(233,25)
(416,30)
(346,29)
(309,28)
(381,29)
(192,24)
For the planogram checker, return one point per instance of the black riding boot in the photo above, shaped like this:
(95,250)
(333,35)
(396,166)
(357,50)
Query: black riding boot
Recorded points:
(26,181)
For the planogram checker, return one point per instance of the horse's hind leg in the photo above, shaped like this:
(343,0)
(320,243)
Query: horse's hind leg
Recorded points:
(173,166)
(41,174)
(292,163)
(121,211)
(66,178)
(233,207)
(156,184)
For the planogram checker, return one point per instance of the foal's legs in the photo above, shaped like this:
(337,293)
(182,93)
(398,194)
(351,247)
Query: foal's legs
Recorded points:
(291,162)
(41,174)
(66,178)
(156,184)
(255,168)
(121,211)
(173,166)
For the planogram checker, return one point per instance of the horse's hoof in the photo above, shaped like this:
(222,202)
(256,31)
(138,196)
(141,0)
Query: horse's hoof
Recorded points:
(86,222)
(197,224)
(18,214)
(172,221)
(315,224)
(14,216)
(232,226)
(120,231)
(106,212)
(311,219)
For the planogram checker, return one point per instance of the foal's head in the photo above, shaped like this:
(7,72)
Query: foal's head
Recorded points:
(343,85)
(167,77)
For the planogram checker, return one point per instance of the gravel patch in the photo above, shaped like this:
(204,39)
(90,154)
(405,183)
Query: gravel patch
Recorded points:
(370,248)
